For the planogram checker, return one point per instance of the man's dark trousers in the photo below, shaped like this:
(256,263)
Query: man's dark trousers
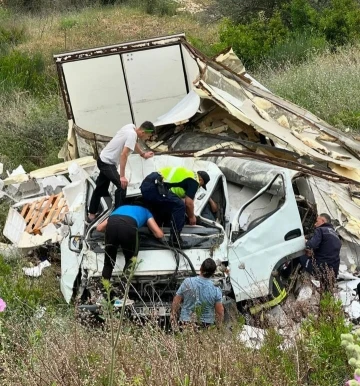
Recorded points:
(121,231)
(167,203)
(108,173)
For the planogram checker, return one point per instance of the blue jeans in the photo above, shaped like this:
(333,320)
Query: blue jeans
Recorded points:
(167,204)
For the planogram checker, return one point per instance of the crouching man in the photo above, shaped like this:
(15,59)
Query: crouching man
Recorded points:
(170,192)
(322,258)
(200,301)
(122,230)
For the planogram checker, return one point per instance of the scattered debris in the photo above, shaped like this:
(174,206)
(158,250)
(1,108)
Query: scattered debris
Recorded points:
(36,271)
(252,337)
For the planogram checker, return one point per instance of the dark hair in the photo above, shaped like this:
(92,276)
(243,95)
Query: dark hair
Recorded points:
(147,126)
(208,267)
(326,217)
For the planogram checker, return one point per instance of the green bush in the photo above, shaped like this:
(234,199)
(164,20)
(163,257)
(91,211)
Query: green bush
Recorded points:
(25,72)
(293,31)
(299,15)
(252,42)
(341,21)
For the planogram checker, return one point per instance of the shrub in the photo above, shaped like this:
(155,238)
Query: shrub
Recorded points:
(252,42)
(341,21)
(293,29)
(299,15)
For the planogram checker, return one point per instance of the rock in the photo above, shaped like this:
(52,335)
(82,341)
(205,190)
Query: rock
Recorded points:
(305,293)
(252,337)
(276,317)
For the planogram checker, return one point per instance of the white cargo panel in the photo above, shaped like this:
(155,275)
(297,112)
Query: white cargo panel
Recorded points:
(98,95)
(155,80)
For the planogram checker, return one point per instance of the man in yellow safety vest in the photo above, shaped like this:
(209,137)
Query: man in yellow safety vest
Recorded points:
(171,191)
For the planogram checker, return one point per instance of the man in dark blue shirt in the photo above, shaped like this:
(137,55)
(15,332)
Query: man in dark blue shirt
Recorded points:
(322,257)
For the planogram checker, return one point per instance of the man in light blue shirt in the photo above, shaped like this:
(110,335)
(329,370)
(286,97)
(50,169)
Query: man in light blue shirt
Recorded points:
(122,231)
(200,300)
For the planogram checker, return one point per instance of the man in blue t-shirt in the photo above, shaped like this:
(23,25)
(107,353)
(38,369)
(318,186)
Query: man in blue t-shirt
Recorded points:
(122,230)
(200,300)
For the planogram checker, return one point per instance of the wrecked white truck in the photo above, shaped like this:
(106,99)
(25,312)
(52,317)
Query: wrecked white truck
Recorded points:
(255,235)
(273,167)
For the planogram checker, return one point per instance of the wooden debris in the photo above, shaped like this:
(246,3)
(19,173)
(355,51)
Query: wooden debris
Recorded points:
(44,211)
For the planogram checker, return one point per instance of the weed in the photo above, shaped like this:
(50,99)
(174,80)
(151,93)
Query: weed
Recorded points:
(323,339)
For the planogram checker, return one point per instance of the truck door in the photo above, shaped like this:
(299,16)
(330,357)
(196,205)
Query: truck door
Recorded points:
(265,231)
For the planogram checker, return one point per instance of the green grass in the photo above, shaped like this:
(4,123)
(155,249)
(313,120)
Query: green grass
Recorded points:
(32,130)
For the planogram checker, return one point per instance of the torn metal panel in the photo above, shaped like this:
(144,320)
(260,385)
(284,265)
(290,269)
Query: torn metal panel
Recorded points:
(335,200)
(60,168)
(181,112)
(14,227)
(250,114)
(230,60)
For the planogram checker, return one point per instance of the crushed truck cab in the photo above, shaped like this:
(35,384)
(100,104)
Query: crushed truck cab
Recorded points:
(256,231)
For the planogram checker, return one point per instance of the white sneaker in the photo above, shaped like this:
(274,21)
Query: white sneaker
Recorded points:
(118,303)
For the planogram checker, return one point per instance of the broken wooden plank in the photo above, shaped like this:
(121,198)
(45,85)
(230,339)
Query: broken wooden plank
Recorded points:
(38,205)
(44,212)
(30,212)
(52,210)
(24,210)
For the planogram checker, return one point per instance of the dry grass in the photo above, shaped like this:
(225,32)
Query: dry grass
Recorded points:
(65,353)
(103,26)
(328,85)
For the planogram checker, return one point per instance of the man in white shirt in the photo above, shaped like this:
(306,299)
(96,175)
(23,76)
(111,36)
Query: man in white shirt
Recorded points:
(117,152)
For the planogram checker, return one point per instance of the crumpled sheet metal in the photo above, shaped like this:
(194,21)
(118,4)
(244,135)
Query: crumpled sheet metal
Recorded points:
(335,200)
(229,59)
(250,173)
(226,92)
(224,81)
